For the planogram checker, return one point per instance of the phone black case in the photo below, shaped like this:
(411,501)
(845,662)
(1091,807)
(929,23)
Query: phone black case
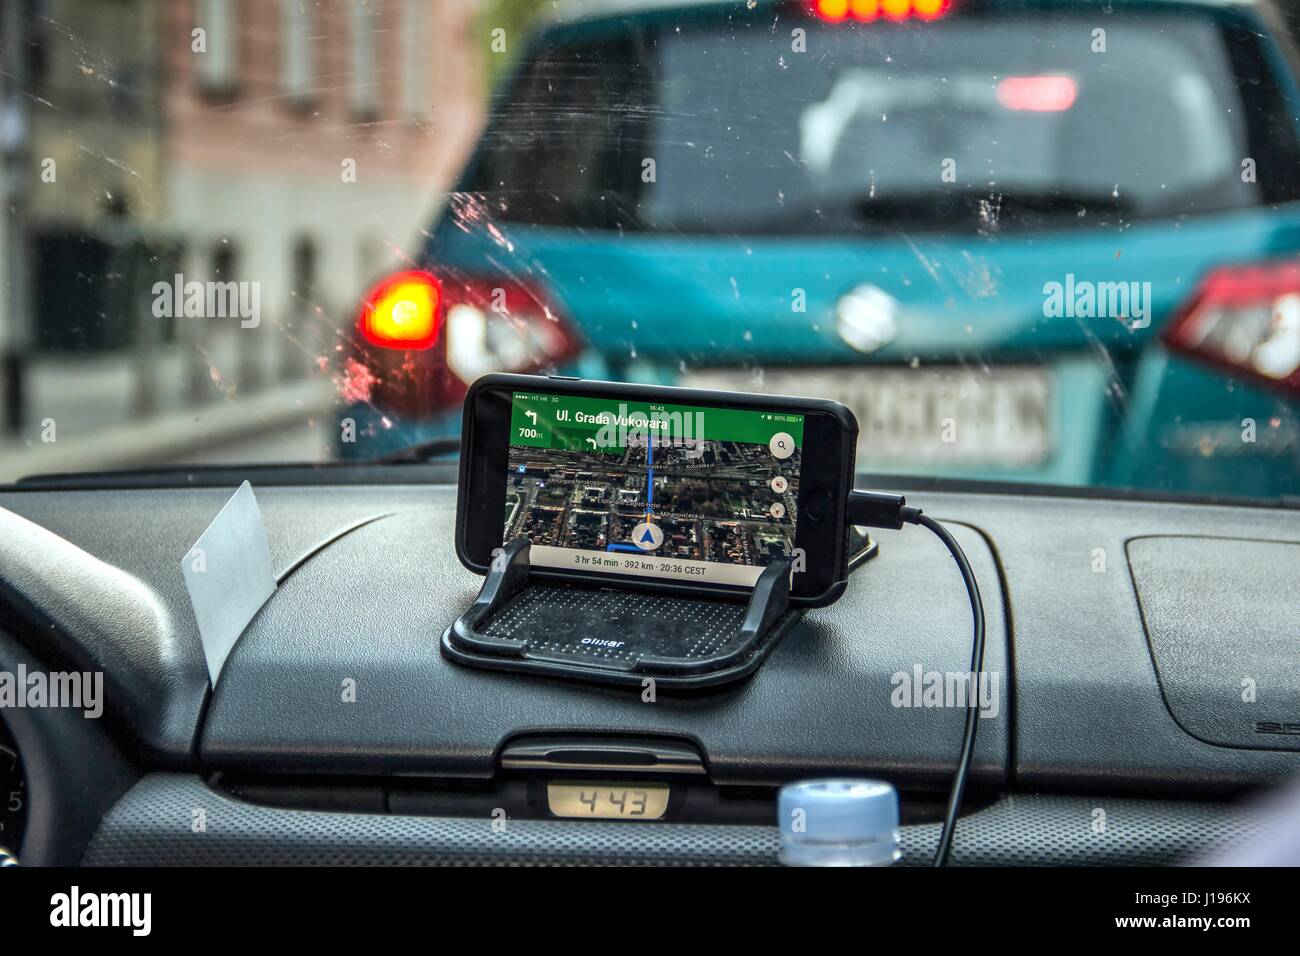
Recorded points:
(833,520)
(623,630)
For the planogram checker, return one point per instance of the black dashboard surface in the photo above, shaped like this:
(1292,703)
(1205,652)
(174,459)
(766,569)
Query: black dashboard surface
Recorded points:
(369,580)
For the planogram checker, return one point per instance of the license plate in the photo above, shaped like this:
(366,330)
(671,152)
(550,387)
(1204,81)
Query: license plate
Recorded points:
(925,416)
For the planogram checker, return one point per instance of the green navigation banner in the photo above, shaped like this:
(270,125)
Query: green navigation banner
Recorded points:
(540,420)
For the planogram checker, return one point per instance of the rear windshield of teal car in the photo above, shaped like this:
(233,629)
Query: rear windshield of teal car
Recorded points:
(985,123)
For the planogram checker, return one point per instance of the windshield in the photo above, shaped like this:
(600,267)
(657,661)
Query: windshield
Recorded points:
(1042,243)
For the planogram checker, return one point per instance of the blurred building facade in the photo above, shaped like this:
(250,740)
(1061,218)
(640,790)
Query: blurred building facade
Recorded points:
(308,142)
(301,145)
(96,110)
(91,128)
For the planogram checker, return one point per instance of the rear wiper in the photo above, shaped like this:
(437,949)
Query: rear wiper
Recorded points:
(988,209)
(985,210)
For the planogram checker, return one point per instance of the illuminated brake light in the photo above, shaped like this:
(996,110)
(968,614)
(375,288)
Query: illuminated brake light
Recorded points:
(402,311)
(832,11)
(869,11)
(930,9)
(1245,319)
(1038,94)
(422,338)
(896,10)
(864,10)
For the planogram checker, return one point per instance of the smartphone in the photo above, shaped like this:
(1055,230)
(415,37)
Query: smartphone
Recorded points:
(677,489)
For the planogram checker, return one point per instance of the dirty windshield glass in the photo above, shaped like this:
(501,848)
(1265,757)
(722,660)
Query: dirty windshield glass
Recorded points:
(1029,242)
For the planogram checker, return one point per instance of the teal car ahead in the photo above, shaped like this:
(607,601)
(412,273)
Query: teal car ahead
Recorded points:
(1048,242)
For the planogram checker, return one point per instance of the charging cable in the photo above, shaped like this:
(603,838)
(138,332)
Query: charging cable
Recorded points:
(891,512)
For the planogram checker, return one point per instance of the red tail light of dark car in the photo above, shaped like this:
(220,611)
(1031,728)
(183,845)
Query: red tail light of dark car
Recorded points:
(422,337)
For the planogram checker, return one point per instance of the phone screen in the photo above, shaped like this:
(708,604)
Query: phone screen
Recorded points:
(697,494)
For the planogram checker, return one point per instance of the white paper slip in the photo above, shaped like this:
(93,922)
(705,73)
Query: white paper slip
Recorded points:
(229,575)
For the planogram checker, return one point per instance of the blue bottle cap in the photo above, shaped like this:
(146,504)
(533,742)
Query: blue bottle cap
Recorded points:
(838,822)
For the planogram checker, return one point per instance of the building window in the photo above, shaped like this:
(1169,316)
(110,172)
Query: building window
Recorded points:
(218,66)
(304,272)
(296,71)
(364,87)
(225,261)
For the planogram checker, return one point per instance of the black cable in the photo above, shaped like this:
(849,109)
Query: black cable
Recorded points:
(972,696)
(891,511)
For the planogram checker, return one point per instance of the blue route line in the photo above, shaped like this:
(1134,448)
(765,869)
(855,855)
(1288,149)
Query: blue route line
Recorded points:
(649,496)
(650,477)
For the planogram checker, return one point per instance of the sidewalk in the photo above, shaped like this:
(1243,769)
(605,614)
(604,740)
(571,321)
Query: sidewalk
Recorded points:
(89,401)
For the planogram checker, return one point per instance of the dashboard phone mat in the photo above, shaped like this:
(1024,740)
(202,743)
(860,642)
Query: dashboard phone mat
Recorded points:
(622,636)
(639,624)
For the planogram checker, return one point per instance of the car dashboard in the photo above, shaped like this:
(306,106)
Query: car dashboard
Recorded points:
(1141,655)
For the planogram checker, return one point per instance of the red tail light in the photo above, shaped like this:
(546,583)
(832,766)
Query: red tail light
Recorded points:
(1246,320)
(868,11)
(424,338)
(402,311)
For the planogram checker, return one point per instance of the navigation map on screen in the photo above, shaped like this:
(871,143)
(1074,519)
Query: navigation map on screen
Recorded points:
(706,495)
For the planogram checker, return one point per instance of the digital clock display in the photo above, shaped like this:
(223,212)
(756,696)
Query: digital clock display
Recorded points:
(608,801)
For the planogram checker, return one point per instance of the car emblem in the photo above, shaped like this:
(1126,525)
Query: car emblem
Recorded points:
(867,318)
